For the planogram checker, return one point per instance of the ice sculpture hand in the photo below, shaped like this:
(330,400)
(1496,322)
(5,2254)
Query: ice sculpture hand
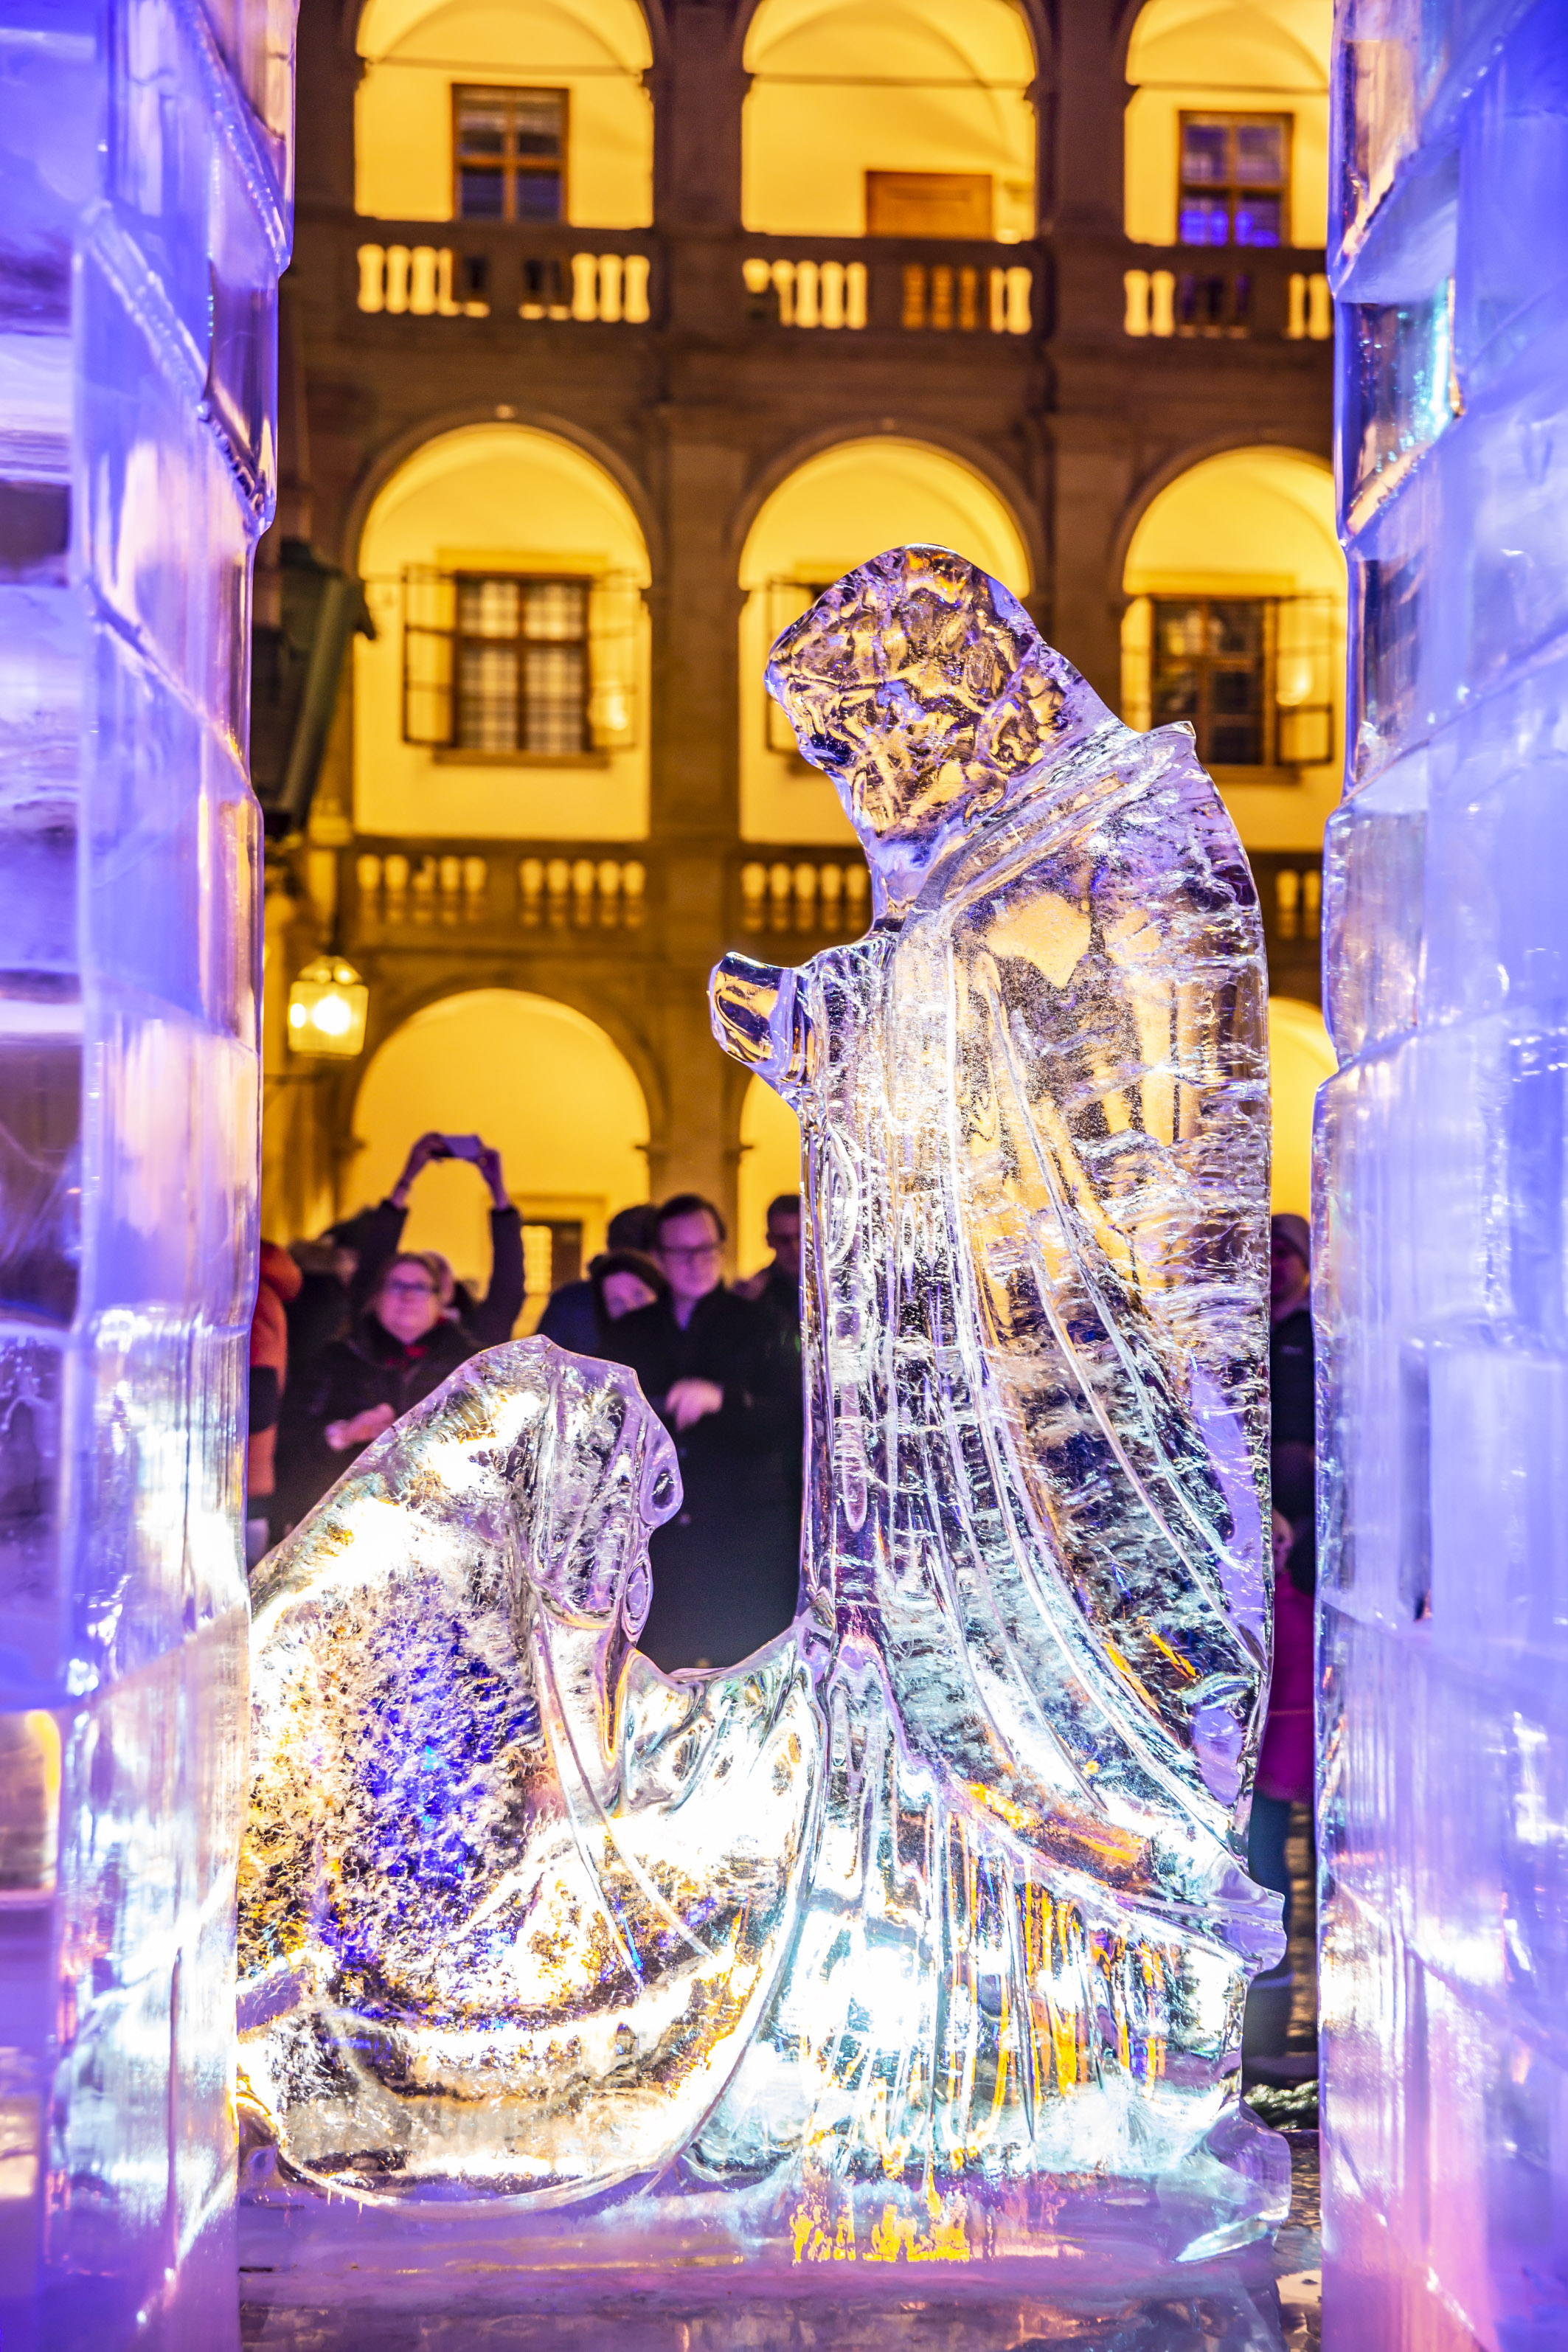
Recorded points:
(510,1902)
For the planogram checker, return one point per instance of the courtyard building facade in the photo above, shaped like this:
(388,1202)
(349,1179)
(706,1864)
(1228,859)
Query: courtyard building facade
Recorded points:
(613,334)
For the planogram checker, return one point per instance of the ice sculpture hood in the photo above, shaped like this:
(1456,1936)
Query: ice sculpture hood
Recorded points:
(922,688)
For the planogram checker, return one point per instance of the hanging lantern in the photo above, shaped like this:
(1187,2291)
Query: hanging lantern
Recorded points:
(327,1009)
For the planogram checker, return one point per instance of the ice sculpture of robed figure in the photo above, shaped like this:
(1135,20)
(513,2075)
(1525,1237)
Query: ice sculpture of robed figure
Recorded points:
(933,1909)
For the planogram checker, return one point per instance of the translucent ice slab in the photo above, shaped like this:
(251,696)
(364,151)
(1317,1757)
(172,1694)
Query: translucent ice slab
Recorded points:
(143,178)
(1439,1287)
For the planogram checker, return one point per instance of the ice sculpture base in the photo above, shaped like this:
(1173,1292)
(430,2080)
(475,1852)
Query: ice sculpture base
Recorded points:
(1122,2238)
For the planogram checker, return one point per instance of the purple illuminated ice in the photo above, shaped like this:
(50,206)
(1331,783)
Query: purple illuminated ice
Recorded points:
(143,197)
(1441,1277)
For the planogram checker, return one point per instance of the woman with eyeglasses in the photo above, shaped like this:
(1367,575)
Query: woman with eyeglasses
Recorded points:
(402,1348)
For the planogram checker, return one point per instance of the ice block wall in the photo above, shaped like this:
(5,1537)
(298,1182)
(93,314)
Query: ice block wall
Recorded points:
(143,211)
(1442,1274)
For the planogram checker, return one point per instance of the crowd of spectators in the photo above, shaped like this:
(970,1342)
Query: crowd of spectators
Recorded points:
(351,1329)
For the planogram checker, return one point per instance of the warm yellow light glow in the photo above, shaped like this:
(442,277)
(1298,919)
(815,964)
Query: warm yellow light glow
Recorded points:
(1250,523)
(841,88)
(769,1164)
(328,1006)
(499,498)
(1245,56)
(1300,1058)
(596,50)
(534,1077)
(833,512)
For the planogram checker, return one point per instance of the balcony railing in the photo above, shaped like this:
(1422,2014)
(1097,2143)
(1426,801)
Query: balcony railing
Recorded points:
(900,290)
(1290,899)
(397,894)
(804,893)
(478,269)
(474,269)
(1238,293)
(491,894)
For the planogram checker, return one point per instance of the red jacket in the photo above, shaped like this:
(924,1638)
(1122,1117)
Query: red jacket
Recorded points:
(279,1283)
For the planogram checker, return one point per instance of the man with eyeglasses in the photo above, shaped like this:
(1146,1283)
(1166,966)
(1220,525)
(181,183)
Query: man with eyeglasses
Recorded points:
(726,1568)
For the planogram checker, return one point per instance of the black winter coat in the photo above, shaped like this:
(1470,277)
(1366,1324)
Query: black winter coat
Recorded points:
(726,1569)
(369,1367)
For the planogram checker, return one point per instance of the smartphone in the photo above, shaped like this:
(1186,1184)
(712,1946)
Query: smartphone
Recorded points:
(462,1147)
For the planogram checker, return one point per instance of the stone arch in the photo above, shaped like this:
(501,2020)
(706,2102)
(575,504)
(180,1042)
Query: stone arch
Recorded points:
(1265,59)
(394,455)
(535,1077)
(1234,592)
(414,52)
(1175,467)
(897,87)
(506,498)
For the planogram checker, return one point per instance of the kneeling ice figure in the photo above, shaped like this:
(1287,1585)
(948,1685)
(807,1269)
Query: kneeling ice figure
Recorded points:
(939,1894)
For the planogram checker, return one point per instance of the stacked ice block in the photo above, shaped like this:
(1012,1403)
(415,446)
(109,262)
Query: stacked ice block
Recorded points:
(143,211)
(1442,1277)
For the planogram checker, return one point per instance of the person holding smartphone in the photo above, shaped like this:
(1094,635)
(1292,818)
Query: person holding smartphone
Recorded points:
(378,1236)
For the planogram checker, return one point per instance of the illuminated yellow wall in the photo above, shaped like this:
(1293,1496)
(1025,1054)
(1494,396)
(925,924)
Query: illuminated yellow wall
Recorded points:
(1300,1058)
(493,496)
(844,87)
(1253,522)
(538,1080)
(851,502)
(769,1164)
(1262,57)
(596,50)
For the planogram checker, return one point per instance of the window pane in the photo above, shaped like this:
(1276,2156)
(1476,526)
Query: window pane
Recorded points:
(488,608)
(1260,155)
(1235,627)
(1205,220)
(1209,668)
(555,681)
(481,194)
(555,609)
(481,128)
(1257,220)
(1181,630)
(1206,152)
(1233,693)
(1234,744)
(537,118)
(536,195)
(487,698)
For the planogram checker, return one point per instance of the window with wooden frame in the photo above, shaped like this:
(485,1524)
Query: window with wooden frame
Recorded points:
(1253,675)
(509,151)
(1235,179)
(511,673)
(500,665)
